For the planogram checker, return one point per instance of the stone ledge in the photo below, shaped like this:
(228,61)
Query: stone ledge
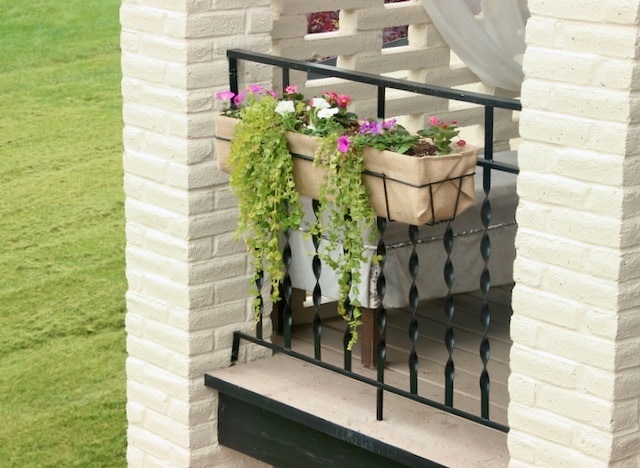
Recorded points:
(347,405)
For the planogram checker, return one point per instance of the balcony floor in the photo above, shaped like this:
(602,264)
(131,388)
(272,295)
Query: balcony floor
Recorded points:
(431,349)
(345,408)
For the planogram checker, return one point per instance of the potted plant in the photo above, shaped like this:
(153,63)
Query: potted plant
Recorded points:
(277,147)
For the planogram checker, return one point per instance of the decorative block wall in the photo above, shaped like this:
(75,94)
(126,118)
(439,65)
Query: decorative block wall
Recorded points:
(358,45)
(183,267)
(575,382)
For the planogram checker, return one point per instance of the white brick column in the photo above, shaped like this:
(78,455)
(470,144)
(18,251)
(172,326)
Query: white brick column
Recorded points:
(575,361)
(186,275)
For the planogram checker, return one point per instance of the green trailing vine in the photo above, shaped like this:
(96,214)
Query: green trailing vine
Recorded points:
(262,179)
(345,213)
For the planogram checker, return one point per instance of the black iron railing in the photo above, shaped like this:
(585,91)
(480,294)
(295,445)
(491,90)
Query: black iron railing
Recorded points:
(490,103)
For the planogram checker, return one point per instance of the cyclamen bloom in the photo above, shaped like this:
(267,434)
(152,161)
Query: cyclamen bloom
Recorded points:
(434,121)
(343,144)
(344,100)
(336,99)
(291,89)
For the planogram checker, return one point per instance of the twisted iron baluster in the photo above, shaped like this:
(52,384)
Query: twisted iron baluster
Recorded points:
(485,313)
(348,308)
(449,309)
(485,251)
(381,315)
(287,290)
(317,291)
(414,299)
(259,304)
(346,339)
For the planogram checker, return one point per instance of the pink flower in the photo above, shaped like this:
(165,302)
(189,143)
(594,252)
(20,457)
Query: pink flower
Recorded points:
(239,99)
(331,97)
(344,100)
(291,89)
(461,143)
(255,88)
(225,95)
(434,121)
(343,144)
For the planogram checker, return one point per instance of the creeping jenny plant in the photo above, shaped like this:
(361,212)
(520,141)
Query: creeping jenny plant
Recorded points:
(262,178)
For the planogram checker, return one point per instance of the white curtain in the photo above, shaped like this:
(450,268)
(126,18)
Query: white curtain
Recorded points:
(487,35)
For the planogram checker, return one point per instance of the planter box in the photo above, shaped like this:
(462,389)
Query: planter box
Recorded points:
(424,190)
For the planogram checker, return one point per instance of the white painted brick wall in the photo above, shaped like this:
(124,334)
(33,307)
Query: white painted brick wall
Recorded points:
(575,371)
(183,267)
(576,327)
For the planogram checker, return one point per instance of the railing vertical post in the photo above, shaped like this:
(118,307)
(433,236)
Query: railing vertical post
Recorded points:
(233,77)
(485,277)
(488,132)
(287,290)
(317,290)
(381,101)
(235,347)
(259,303)
(414,299)
(347,337)
(449,309)
(381,316)
(285,78)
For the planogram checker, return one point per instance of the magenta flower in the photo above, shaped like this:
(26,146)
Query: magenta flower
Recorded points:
(343,144)
(225,95)
(434,120)
(389,124)
(255,88)
(239,99)
(292,89)
(371,128)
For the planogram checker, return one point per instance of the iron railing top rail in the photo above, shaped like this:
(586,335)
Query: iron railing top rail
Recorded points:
(375,80)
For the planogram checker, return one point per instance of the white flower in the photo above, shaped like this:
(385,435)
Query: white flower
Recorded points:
(285,107)
(320,103)
(326,113)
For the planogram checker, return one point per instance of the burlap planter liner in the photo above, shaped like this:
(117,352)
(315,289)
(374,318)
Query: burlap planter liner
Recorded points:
(412,190)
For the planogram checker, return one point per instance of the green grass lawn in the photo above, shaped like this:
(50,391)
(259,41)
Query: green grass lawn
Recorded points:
(62,285)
